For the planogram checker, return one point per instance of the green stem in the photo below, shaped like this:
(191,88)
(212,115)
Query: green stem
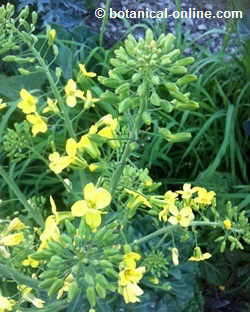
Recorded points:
(14,187)
(170,228)
(134,135)
(54,90)
(164,230)
(8,272)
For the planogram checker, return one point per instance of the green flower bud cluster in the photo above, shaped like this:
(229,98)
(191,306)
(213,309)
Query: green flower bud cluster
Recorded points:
(156,263)
(9,39)
(134,178)
(15,143)
(90,259)
(149,62)
(7,42)
(236,229)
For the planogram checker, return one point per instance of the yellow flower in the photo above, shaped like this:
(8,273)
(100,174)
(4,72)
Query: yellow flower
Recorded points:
(175,256)
(89,100)
(12,239)
(130,259)
(131,292)
(198,256)
(28,103)
(170,197)
(30,262)
(128,280)
(51,231)
(109,132)
(51,107)
(15,225)
(58,163)
(2,105)
(28,296)
(227,224)
(95,199)
(72,93)
(86,145)
(59,215)
(131,275)
(85,73)
(38,124)
(136,200)
(187,191)
(183,217)
(68,281)
(204,197)
(6,304)
(163,214)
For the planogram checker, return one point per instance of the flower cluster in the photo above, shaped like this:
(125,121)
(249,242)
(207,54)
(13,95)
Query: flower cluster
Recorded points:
(101,132)
(180,211)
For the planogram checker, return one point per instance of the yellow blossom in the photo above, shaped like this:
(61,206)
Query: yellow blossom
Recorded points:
(227,224)
(131,292)
(59,215)
(175,256)
(199,256)
(68,281)
(6,304)
(38,124)
(51,107)
(204,197)
(163,214)
(170,197)
(187,191)
(95,199)
(183,217)
(58,163)
(28,296)
(85,73)
(137,199)
(30,262)
(28,103)
(51,231)
(72,93)
(89,100)
(131,275)
(15,225)
(130,259)
(86,145)
(2,105)
(128,280)
(109,132)
(12,239)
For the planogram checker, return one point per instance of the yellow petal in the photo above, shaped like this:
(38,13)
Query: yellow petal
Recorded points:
(102,198)
(79,208)
(93,219)
(12,239)
(71,101)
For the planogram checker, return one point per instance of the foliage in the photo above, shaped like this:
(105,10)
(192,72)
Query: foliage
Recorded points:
(120,238)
